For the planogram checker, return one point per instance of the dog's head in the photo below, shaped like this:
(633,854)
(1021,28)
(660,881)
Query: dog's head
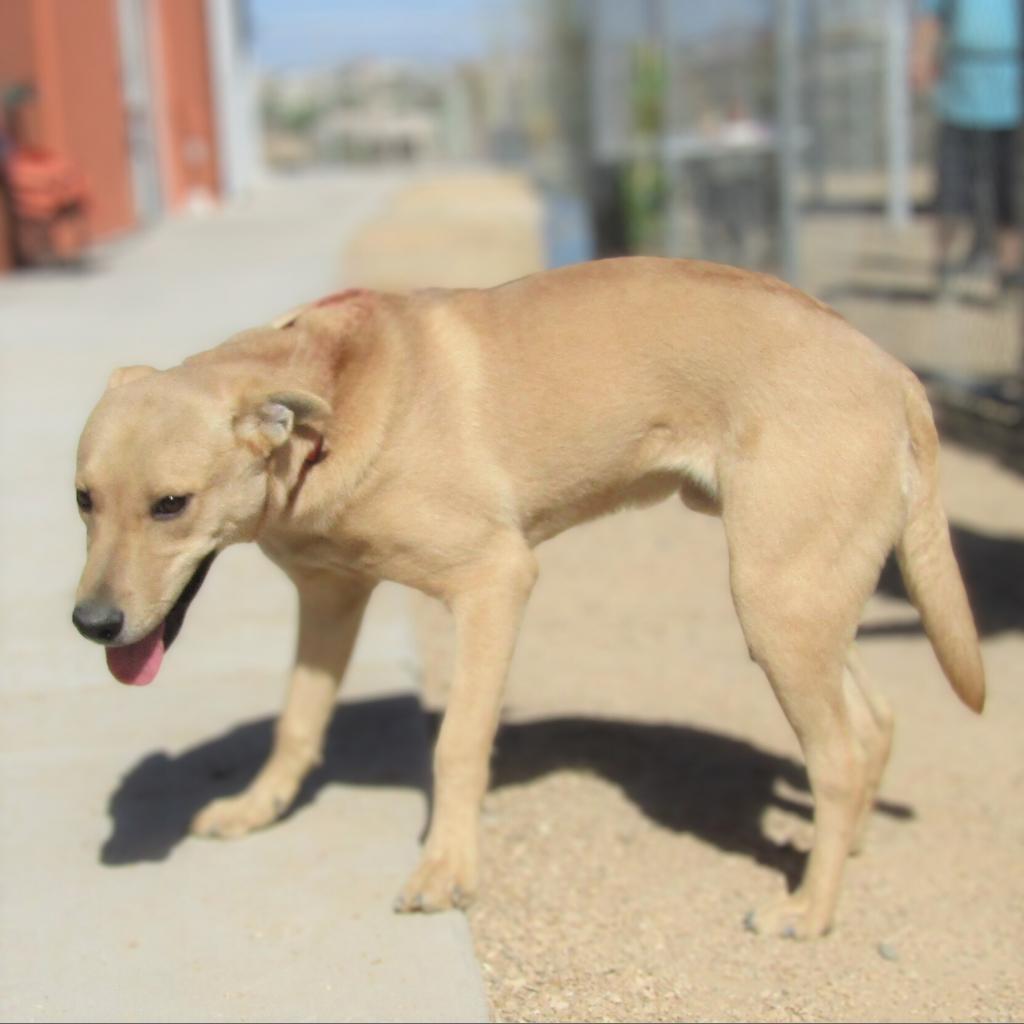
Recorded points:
(172,467)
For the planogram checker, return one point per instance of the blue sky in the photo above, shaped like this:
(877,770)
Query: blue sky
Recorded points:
(311,33)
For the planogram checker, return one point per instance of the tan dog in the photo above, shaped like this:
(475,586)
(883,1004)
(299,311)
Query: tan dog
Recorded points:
(435,438)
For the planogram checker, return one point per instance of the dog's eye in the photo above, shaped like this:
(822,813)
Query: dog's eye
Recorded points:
(84,499)
(169,506)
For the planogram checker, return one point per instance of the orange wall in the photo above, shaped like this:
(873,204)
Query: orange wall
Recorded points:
(94,129)
(16,61)
(185,100)
(70,52)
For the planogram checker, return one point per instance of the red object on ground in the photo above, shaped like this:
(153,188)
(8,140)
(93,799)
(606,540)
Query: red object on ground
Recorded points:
(50,200)
(43,184)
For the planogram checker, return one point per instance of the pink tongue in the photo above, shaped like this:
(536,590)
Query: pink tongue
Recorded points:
(138,663)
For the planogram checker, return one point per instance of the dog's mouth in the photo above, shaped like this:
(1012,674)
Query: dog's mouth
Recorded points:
(137,664)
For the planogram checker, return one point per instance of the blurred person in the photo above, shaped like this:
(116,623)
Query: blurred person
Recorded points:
(969,54)
(45,197)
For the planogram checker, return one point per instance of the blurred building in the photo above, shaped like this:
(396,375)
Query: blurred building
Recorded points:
(153,101)
(699,131)
(371,110)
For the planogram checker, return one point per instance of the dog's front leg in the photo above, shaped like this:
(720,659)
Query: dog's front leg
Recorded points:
(330,612)
(487,615)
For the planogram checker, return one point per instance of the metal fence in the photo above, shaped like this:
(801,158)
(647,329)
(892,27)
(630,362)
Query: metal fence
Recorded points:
(785,135)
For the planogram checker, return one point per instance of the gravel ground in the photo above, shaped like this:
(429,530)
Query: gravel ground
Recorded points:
(467,229)
(647,792)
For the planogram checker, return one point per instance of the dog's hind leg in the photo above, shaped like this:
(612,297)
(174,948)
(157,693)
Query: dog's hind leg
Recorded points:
(873,722)
(330,612)
(487,603)
(809,685)
(799,589)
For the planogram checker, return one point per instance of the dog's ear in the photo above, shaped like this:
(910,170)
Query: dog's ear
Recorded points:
(267,421)
(126,374)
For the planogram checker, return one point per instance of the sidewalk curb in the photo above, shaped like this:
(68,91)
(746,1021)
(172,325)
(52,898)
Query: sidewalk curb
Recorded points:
(110,911)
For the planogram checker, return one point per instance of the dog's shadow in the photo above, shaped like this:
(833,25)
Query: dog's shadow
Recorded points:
(684,778)
(369,743)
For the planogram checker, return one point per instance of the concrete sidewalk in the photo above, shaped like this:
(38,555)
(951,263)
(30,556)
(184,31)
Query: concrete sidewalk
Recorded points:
(109,911)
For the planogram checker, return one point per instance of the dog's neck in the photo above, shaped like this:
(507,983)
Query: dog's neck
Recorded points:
(321,468)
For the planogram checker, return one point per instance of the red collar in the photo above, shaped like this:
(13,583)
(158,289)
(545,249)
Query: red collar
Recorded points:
(317,454)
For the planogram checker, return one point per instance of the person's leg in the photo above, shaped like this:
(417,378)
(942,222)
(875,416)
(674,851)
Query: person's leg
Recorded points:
(1010,248)
(951,175)
(979,198)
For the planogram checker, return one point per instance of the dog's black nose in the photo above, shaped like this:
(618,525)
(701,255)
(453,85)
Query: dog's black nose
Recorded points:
(97,620)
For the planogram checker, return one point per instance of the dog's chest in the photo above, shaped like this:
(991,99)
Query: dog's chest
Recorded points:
(380,557)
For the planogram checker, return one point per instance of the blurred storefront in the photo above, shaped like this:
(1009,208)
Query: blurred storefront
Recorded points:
(152,102)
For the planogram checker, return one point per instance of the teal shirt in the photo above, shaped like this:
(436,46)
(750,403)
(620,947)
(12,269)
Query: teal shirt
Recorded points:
(980,82)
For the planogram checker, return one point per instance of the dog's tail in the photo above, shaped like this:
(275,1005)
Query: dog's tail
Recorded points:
(927,562)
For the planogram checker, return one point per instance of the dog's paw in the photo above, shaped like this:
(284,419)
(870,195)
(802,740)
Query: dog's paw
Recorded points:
(439,883)
(235,816)
(789,918)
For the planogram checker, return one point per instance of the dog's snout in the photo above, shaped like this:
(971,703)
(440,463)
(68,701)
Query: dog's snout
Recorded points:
(98,620)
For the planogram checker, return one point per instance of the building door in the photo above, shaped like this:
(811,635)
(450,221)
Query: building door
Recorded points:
(137,79)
